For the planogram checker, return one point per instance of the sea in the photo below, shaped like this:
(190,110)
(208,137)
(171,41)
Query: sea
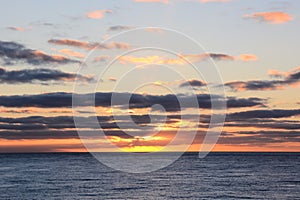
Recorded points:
(217,176)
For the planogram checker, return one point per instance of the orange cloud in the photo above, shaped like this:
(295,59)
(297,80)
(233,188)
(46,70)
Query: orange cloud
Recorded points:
(69,52)
(74,43)
(98,14)
(271,17)
(183,58)
(112,79)
(140,144)
(279,74)
(150,60)
(55,57)
(247,57)
(115,45)
(276,73)
(152,1)
(47,145)
(154,30)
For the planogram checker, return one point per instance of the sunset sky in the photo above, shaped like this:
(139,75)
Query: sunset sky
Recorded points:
(43,44)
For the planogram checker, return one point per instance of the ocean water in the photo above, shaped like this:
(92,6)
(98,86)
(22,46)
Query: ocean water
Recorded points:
(217,176)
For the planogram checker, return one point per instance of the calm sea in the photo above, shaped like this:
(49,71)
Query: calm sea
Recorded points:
(218,176)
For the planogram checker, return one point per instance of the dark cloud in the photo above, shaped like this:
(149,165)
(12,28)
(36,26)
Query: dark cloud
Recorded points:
(219,56)
(244,102)
(119,28)
(49,100)
(40,123)
(12,52)
(193,83)
(274,125)
(169,102)
(40,148)
(274,134)
(264,114)
(255,85)
(37,75)
(39,134)
(288,78)
(62,127)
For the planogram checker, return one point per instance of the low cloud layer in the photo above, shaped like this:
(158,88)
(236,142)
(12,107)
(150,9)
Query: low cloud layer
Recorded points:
(169,102)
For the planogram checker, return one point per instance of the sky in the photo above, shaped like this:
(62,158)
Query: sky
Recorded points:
(149,52)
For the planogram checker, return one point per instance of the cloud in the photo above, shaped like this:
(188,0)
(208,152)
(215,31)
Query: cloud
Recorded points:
(193,83)
(271,17)
(154,30)
(67,122)
(242,57)
(218,56)
(291,135)
(69,52)
(276,73)
(254,85)
(38,75)
(101,58)
(260,139)
(269,125)
(12,52)
(112,79)
(73,43)
(89,45)
(233,102)
(98,14)
(150,60)
(119,28)
(183,58)
(264,114)
(248,57)
(38,134)
(63,127)
(152,1)
(15,28)
(290,78)
(35,110)
(169,101)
